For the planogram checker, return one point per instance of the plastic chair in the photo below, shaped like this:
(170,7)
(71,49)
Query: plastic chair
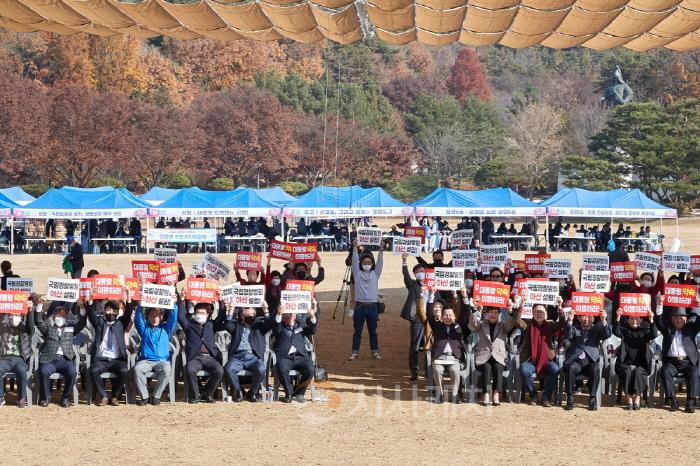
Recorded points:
(57,376)
(30,378)
(174,351)
(616,387)
(475,373)
(111,376)
(657,363)
(465,369)
(293,374)
(222,344)
(581,377)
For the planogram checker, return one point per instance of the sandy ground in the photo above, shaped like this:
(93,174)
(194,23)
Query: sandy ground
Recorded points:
(374,413)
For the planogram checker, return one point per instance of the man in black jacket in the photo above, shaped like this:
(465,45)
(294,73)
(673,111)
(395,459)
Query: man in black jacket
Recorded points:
(75,257)
(291,353)
(109,353)
(15,351)
(680,355)
(409,313)
(6,268)
(247,348)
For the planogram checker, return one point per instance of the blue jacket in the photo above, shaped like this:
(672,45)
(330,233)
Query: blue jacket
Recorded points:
(155,341)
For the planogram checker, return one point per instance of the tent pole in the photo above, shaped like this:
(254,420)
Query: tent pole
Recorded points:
(678,235)
(546,232)
(282,226)
(12,235)
(148,221)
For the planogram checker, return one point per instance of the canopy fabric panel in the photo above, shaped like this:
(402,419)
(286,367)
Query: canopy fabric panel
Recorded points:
(496,202)
(346,202)
(597,24)
(84,203)
(618,203)
(157,195)
(16,195)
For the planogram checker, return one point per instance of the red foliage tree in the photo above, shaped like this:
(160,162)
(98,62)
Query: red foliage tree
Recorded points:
(468,76)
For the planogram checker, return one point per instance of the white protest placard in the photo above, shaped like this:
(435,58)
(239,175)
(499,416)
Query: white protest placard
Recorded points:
(465,259)
(594,281)
(541,292)
(213,267)
(410,246)
(557,268)
(159,296)
(226,292)
(20,284)
(295,302)
(449,278)
(462,238)
(63,289)
(248,295)
(493,254)
(369,236)
(596,263)
(165,255)
(676,262)
(647,262)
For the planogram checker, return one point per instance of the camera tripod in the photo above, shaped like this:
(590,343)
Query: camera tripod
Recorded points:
(343,294)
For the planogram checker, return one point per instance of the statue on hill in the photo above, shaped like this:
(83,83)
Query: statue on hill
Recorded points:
(617,91)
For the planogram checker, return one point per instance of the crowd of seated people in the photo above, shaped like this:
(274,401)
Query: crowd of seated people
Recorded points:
(577,237)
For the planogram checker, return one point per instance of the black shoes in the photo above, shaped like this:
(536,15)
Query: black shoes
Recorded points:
(569,403)
(438,400)
(193,400)
(238,396)
(299,398)
(287,399)
(592,405)
(414,377)
(65,403)
(209,399)
(690,407)
(155,401)
(674,405)
(252,396)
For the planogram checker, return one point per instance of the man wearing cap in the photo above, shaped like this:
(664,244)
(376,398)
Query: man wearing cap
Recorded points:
(679,355)
(75,257)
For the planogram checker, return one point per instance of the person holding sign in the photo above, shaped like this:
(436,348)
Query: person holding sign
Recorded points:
(679,354)
(290,352)
(537,352)
(154,352)
(109,353)
(252,277)
(583,354)
(56,354)
(16,332)
(201,350)
(634,362)
(491,349)
(366,274)
(411,310)
(446,351)
(247,348)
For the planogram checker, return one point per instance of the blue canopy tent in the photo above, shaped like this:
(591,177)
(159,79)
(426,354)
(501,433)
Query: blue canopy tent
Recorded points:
(346,202)
(248,203)
(276,195)
(157,195)
(16,195)
(495,202)
(84,203)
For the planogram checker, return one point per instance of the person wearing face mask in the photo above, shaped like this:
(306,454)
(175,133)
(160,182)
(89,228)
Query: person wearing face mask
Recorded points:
(635,359)
(154,352)
(56,353)
(409,311)
(582,356)
(446,351)
(438,260)
(15,351)
(109,353)
(200,350)
(537,352)
(273,287)
(468,282)
(491,349)
(366,274)
(247,348)
(647,284)
(252,277)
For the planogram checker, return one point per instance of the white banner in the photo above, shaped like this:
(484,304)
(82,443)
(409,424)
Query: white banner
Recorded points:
(410,246)
(595,281)
(462,238)
(20,284)
(182,235)
(63,289)
(676,262)
(465,258)
(647,262)
(541,292)
(217,212)
(369,236)
(165,255)
(158,296)
(295,302)
(352,212)
(248,295)
(610,212)
(80,214)
(449,278)
(226,291)
(596,263)
(493,254)
(557,268)
(213,267)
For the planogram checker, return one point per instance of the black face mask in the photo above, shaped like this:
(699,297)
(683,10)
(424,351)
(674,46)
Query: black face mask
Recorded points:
(249,320)
(110,317)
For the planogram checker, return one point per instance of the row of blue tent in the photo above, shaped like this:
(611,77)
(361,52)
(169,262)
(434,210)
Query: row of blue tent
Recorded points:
(322,202)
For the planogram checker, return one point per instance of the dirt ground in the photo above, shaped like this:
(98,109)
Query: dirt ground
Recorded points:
(374,414)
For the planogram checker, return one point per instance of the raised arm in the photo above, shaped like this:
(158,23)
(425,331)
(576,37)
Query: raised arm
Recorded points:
(171,323)
(355,262)
(138,321)
(380,263)
(182,315)
(39,321)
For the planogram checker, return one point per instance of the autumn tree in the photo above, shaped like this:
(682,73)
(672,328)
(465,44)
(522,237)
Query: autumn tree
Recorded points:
(468,77)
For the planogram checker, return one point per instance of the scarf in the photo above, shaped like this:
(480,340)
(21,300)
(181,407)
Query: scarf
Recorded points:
(539,349)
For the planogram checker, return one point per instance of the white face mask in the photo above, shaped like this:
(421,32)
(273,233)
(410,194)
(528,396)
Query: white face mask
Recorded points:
(59,321)
(420,276)
(15,320)
(200,318)
(275,282)
(468,282)
(646,283)
(366,267)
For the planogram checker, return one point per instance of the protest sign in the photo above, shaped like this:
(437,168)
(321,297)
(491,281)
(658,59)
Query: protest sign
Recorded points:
(20,284)
(465,258)
(165,255)
(680,295)
(521,285)
(280,250)
(695,264)
(248,295)
(414,232)
(587,304)
(63,289)
(429,279)
(14,302)
(534,263)
(305,252)
(107,287)
(557,268)
(517,265)
(449,278)
(462,238)
(213,267)
(496,254)
(595,281)
(249,260)
(295,302)
(541,292)
(623,272)
(491,294)
(226,292)
(369,236)
(169,273)
(410,246)
(596,263)
(134,287)
(145,270)
(85,288)
(202,290)
(676,262)
(647,262)
(635,304)
(158,296)
(300,285)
